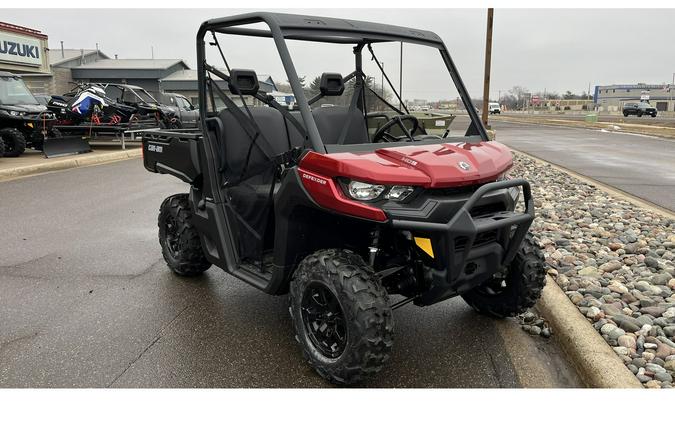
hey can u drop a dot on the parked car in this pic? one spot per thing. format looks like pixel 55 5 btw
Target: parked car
pixel 494 108
pixel 182 107
pixel 639 109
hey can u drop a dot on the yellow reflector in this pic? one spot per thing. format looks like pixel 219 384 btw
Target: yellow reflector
pixel 425 245
pixel 29 124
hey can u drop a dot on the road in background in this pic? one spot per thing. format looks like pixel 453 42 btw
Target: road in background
pixel 640 165
pixel 659 120
pixel 86 300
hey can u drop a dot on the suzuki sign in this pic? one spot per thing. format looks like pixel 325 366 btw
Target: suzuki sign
pixel 18 49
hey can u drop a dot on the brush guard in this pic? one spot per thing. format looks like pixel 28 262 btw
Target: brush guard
pixel 461 263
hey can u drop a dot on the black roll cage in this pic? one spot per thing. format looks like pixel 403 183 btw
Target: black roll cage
pixel 321 29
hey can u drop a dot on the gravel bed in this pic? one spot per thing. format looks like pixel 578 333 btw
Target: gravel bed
pixel 616 263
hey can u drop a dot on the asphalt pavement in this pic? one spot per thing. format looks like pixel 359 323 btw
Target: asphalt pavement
pixel 643 166
pixel 87 301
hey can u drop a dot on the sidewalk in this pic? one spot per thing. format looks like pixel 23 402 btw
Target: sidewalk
pixel 33 162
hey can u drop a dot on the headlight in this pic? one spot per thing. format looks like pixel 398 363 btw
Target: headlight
pixel 364 191
pixel 399 193
pixel 16 113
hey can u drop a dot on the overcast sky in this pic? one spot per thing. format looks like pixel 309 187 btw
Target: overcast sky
pixel 547 49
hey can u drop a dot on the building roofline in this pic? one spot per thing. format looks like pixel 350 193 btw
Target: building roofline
pixel 18 29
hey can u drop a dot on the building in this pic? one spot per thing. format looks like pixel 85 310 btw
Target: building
pixel 613 97
pixel 184 82
pixel 62 62
pixel 146 73
pixel 24 51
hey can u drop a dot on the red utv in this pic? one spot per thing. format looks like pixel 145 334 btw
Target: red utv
pixel 351 223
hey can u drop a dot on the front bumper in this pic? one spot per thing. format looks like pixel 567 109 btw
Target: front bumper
pixel 468 250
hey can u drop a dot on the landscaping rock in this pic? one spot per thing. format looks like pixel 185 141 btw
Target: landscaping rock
pixel 615 261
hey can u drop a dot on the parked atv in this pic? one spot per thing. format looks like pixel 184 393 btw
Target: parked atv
pixel 145 105
pixel 310 204
pixel 87 103
pixel 24 122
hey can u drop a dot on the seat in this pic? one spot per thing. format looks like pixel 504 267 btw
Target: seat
pixel 330 122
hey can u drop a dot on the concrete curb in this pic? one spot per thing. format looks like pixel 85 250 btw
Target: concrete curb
pixel 596 363
pixel 76 161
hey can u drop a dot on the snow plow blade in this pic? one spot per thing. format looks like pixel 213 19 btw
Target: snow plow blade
pixel 65 145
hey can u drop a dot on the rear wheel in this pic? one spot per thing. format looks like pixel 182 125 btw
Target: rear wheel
pixel 517 290
pixel 179 239
pixel 341 316
pixel 15 142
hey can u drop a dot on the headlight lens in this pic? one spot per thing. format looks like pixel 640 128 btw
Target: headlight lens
pixel 16 113
pixel 399 193
pixel 364 191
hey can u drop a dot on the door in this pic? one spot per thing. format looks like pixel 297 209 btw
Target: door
pixel 188 112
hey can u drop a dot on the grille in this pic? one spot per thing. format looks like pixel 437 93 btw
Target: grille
pixel 481 239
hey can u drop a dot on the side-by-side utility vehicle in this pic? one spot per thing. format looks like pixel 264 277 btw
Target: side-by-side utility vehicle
pixel 351 225
pixel 24 121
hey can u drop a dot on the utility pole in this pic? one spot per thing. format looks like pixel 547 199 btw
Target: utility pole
pixel 672 86
pixel 488 62
pixel 152 52
pixel 400 78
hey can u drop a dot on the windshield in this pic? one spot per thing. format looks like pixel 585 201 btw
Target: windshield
pixel 14 92
pixel 145 96
pixel 367 95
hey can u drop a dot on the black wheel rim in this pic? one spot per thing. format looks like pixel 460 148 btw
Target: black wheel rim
pixel 172 235
pixel 324 320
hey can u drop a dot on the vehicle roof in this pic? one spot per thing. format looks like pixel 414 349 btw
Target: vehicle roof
pixel 319 28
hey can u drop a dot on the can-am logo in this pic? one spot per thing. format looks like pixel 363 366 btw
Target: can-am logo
pixel 464 165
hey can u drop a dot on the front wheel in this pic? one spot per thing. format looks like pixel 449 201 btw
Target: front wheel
pixel 15 142
pixel 517 290
pixel 179 238
pixel 341 316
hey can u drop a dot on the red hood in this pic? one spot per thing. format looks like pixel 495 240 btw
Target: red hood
pixel 432 166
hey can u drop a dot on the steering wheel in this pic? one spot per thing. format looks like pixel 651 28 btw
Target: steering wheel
pixel 382 134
